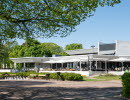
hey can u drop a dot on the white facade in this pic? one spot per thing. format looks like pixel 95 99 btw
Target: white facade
pixel 122 48
pixel 94 59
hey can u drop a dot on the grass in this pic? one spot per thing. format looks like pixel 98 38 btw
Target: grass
pixel 109 77
pixel 89 79
pixel 103 78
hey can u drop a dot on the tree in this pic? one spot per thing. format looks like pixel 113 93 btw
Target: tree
pixel 30 42
pixel 52 47
pixel 45 18
pixel 73 46
pixel 5 49
pixel 16 52
pixel 2 54
pixel 33 48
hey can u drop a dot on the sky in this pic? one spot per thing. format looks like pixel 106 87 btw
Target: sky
pixel 107 25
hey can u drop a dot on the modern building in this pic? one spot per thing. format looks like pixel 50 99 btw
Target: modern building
pixel 113 57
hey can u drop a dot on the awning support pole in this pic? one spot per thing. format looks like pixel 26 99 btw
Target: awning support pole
pixel 15 65
pixel 24 66
pixel 96 64
pixel 105 65
pixel 90 65
pixel 80 65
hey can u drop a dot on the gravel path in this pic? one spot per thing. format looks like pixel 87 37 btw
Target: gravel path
pixel 60 90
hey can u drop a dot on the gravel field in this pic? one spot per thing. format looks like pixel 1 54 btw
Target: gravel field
pixel 60 90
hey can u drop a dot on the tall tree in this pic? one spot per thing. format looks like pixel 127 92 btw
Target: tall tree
pixel 52 47
pixel 45 18
pixel 5 49
pixel 33 48
pixel 73 46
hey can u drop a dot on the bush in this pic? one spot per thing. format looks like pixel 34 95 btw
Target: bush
pixel 53 75
pixel 63 76
pixel 73 76
pixel 67 76
pixel 126 85
pixel 23 74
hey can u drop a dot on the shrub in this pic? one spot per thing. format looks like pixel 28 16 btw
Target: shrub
pixel 126 85
pixel 72 76
pixel 53 75
pixel 67 76
pixel 63 76
pixel 23 74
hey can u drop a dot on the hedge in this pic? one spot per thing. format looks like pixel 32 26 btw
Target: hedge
pixel 126 85
pixel 62 76
pixel 72 76
pixel 67 76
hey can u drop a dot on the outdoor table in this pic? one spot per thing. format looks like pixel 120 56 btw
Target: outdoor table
pixel 41 75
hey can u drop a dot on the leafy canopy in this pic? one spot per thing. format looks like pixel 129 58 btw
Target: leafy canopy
pixel 45 18
pixel 34 48
pixel 73 46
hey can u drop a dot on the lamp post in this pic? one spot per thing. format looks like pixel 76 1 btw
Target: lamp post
pixel 92 48
pixel 92 56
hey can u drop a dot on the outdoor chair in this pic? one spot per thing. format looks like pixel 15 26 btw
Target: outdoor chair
pixel 33 76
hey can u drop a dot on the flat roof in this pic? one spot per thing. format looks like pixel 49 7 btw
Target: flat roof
pixel 82 51
pixel 63 59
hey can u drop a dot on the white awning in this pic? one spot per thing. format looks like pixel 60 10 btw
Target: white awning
pixel 53 61
pixel 120 60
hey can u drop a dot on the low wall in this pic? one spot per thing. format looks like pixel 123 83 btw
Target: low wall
pixel 5 70
pixel 92 73
pixel 85 73
pixel 116 72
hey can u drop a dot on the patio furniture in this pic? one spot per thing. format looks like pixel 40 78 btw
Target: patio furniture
pixel 42 76
pixel 33 76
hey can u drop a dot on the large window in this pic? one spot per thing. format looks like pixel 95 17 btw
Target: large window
pixel 106 47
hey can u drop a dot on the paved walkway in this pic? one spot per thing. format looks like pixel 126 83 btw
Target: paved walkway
pixel 59 90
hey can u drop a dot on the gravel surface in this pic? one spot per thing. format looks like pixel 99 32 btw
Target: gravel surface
pixel 60 90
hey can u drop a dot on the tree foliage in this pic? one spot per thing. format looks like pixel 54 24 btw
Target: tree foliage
pixel 33 48
pixel 73 46
pixel 45 18
pixel 5 49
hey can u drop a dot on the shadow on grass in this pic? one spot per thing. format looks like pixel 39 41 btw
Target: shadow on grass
pixel 20 92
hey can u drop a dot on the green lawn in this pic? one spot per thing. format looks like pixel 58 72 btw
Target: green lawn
pixel 103 78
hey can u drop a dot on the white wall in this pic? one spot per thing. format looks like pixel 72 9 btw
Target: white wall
pixel 122 48
pixel 93 73
pixel 5 70
pixel 116 72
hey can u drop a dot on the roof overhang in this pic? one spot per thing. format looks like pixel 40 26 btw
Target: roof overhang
pixel 82 51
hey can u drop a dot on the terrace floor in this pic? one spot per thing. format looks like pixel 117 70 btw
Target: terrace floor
pixel 60 90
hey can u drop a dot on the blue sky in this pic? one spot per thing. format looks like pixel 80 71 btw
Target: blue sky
pixel 107 25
